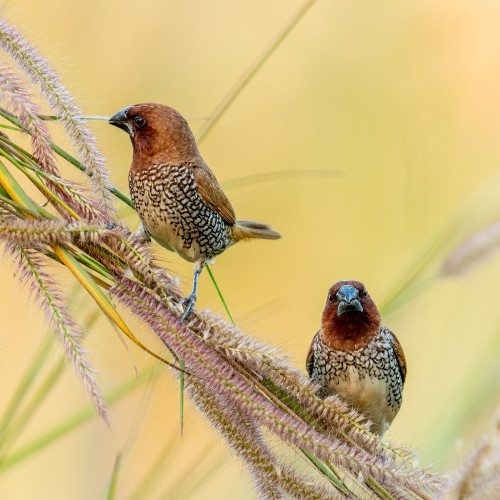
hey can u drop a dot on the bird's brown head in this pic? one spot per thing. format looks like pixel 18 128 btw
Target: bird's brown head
pixel 350 317
pixel 159 134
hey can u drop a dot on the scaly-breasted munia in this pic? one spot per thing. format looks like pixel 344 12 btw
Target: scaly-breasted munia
pixel 356 357
pixel 178 199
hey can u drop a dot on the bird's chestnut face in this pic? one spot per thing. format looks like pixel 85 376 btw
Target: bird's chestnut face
pixel 132 119
pixel 349 311
pixel 159 134
pixel 347 297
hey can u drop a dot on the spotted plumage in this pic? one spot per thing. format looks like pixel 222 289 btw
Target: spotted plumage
pixel 354 356
pixel 177 197
pixel 174 214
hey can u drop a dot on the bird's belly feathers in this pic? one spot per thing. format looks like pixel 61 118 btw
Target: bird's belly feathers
pixel 368 379
pixel 171 210
pixel 366 394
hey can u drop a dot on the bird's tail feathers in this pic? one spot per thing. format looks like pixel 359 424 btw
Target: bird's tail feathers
pixel 247 229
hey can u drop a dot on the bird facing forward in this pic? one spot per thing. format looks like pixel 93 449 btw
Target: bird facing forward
pixel 354 356
pixel 178 199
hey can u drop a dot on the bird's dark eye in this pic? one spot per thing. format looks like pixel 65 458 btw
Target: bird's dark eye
pixel 363 293
pixel 139 121
pixel 330 297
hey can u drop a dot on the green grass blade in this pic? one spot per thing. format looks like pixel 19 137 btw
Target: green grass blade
pixel 14 189
pixel 41 394
pixel 114 478
pixel 323 469
pixel 377 488
pixel 219 293
pixel 40 185
pixel 24 386
pixel 43 391
pixel 75 421
pixel 65 155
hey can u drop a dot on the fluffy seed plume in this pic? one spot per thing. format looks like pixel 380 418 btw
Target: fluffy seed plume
pixel 478 477
pixel 237 391
pixel 69 333
pixel 20 102
pixel 474 249
pixel 63 104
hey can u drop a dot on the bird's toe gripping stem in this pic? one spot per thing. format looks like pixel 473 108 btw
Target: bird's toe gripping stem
pixel 190 300
pixel 188 304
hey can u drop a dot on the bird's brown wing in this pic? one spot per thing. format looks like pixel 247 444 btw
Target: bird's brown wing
pixel 400 355
pixel 310 358
pixel 212 195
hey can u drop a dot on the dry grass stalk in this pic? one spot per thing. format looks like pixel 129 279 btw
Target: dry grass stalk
pixel 478 477
pixel 36 68
pixel 474 249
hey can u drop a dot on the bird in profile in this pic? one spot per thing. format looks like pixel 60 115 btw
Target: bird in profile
pixel 356 357
pixel 178 199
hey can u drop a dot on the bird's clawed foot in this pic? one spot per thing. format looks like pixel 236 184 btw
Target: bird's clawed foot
pixel 143 234
pixel 188 304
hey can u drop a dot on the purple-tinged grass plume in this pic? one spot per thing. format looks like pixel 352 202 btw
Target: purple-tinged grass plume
pixel 43 287
pixel 39 71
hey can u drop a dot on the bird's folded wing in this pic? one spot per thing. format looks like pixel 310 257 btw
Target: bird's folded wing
pixel 400 355
pixel 212 195
pixel 310 358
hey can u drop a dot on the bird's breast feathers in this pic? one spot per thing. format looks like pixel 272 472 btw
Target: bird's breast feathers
pixel 368 394
pixel 172 211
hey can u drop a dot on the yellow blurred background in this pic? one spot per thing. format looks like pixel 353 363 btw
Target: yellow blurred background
pixel 398 101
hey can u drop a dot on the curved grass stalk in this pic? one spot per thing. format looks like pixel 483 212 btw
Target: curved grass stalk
pixel 68 331
pixel 114 478
pixel 75 420
pixel 23 387
pixel 14 93
pixel 252 70
pixel 41 74
pixel 203 362
pixel 66 156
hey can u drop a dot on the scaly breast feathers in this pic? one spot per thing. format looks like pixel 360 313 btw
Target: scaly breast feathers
pixel 170 208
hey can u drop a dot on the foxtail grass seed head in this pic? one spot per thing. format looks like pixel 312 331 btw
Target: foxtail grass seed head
pixel 63 104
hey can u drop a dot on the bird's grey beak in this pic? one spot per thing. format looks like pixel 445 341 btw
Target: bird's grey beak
pixel 348 297
pixel 120 120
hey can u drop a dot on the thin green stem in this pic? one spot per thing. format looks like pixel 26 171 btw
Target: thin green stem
pixel 17 206
pixel 43 391
pixel 114 478
pixel 65 155
pixel 379 489
pixel 323 469
pixel 40 185
pixel 24 386
pixel 76 420
pixel 219 293
pixel 251 71
pixel 10 128
pixel 93 264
